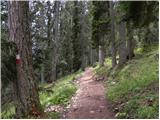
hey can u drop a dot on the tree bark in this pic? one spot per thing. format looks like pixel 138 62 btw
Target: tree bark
pixel 130 41
pixel 101 55
pixel 26 93
pixel 42 73
pixel 113 48
pixel 122 44
pixel 55 43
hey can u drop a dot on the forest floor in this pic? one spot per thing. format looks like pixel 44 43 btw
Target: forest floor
pixel 89 101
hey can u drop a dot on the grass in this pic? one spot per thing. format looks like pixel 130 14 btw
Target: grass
pixel 60 93
pixel 103 71
pixel 134 88
pixel 50 94
pixel 53 115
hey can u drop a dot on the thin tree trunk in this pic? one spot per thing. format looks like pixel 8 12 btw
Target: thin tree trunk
pixel 42 73
pixel 101 55
pixel 27 99
pixel 55 44
pixel 112 15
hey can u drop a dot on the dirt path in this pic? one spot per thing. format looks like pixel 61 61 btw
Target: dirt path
pixel 89 101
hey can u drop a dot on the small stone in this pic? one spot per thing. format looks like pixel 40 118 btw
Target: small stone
pixel 101 106
pixel 74 109
pixel 116 109
pixel 99 110
pixel 121 115
pixel 92 111
pixel 113 83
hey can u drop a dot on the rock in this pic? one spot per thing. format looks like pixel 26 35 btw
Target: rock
pixel 55 108
pixel 120 115
pixel 99 79
pixel 92 112
pixel 102 106
pixel 99 110
pixel 113 83
pixel 63 116
pixel 116 109
pixel 74 109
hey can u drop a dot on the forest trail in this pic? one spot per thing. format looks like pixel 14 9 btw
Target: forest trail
pixel 89 101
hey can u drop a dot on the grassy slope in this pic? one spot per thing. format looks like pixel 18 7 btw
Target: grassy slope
pixel 59 93
pixel 134 89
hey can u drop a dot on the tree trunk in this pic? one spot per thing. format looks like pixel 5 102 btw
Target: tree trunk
pixel 130 42
pixel 113 48
pixel 76 43
pixel 42 73
pixel 101 56
pixel 27 99
pixel 146 41
pixel 122 44
pixel 55 43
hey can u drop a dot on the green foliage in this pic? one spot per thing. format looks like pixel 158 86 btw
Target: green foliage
pixel 53 115
pixel 134 88
pixel 135 76
pixel 147 112
pixel 104 71
pixel 141 13
pixel 60 93
pixel 100 22
pixel 77 47
pixel 8 112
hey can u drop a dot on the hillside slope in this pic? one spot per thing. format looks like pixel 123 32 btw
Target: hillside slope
pixel 134 88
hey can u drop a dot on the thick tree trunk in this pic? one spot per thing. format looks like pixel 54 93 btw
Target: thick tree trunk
pixel 27 99
pixel 113 47
pixel 101 55
pixel 122 44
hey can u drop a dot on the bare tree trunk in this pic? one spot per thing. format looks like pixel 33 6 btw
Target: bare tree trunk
pixel 130 41
pixel 55 43
pixel 122 44
pixel 91 56
pixel 83 40
pixel 42 73
pixel 113 48
pixel 101 55
pixel 26 93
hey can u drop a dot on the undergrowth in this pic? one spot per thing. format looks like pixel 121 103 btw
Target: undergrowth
pixel 60 92
pixel 56 93
pixel 134 88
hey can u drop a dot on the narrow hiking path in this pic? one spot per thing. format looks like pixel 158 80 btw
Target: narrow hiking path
pixel 89 101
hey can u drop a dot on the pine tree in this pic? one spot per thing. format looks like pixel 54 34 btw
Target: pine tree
pixel 100 26
pixel 26 94
pixel 76 46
